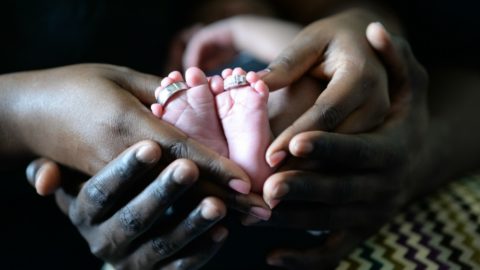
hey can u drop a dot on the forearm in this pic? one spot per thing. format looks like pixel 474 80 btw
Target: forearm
pixel 453 145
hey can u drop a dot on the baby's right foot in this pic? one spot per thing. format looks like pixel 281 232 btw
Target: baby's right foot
pixel 193 111
pixel 244 116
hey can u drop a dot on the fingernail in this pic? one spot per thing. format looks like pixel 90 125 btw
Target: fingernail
pixel 302 148
pixel 263 72
pixel 274 159
pixel 250 220
pixel 260 213
pixel 147 154
pixel 182 175
pixel 210 212
pixel 239 186
pixel 219 234
pixel 273 203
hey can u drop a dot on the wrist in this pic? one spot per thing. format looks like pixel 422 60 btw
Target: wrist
pixel 12 138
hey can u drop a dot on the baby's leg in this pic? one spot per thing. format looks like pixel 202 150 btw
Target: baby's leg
pixel 244 115
pixel 193 111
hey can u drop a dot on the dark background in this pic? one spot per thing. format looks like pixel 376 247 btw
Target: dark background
pixel 49 33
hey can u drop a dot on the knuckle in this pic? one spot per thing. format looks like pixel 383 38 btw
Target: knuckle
pixel 329 116
pixel 130 220
pixel 284 62
pixel 119 126
pixel 161 194
pixel 370 81
pixel 97 193
pixel 164 247
pixel 179 149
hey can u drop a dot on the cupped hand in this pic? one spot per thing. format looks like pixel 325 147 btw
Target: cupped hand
pixel 83 116
pixel 352 184
pixel 128 221
pixel 333 50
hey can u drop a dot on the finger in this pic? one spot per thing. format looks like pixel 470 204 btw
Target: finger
pixel 364 151
pixel 207 214
pixel 102 191
pixel 139 214
pixel 329 189
pixel 381 41
pixel 294 61
pixel 338 246
pixel 251 204
pixel 44 176
pixel 203 250
pixel 335 103
pixel 398 58
pixel 141 85
pixel 177 144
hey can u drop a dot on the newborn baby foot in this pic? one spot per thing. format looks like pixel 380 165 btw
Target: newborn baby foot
pixel 193 111
pixel 244 116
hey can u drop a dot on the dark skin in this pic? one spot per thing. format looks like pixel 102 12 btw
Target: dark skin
pixel 60 114
pixel 412 163
pixel 115 229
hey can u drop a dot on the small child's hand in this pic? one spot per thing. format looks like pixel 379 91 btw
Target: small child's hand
pixel 218 43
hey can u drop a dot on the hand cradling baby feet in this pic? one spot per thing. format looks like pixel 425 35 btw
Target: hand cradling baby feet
pixel 228 114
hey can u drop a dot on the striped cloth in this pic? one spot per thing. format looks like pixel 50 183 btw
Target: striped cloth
pixel 439 232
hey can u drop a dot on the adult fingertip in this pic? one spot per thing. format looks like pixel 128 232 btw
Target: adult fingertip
pixel 240 186
pixel 274 159
pixel 261 213
pixel 300 147
pixel 377 35
pixel 149 152
pixel 213 209
pixel 274 190
pixel 47 179
pixel 185 172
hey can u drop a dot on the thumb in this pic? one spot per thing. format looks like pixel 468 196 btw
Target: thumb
pixel 292 63
pixel 44 175
pixel 141 85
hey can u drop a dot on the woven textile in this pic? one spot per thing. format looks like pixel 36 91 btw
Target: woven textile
pixel 439 232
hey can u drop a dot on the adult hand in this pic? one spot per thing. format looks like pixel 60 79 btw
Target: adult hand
pixel 66 113
pixel 377 172
pixel 334 50
pixel 132 227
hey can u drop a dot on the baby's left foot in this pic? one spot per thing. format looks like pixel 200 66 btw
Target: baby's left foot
pixel 243 112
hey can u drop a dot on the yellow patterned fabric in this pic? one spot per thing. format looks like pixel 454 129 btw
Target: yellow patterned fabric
pixel 439 232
